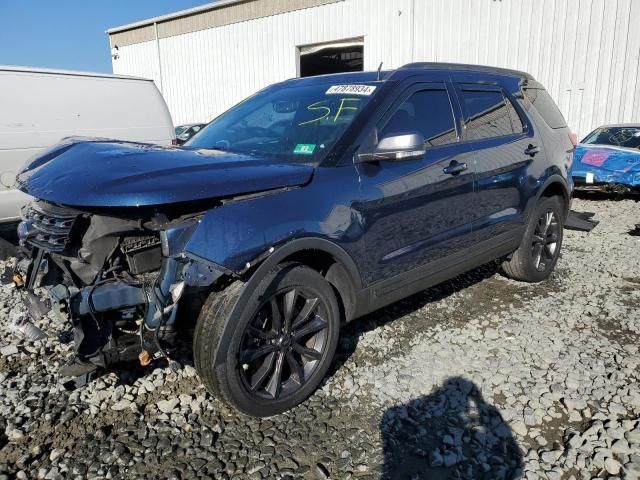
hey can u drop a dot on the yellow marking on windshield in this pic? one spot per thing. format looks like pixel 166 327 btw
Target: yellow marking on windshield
pixel 317 106
pixel 344 107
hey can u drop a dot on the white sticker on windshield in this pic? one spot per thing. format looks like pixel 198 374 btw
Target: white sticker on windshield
pixel 351 89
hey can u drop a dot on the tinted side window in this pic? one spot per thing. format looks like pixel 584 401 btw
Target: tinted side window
pixel 486 114
pixel 546 107
pixel 516 121
pixel 427 112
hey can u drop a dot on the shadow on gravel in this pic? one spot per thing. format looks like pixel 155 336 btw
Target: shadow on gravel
pixel 8 240
pixel 452 433
pixel 350 333
pixel 605 196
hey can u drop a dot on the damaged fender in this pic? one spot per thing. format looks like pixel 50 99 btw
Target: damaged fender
pixel 239 232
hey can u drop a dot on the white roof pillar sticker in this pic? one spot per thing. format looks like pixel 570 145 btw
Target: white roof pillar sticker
pixel 351 89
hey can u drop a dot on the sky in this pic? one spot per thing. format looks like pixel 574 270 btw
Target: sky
pixel 70 34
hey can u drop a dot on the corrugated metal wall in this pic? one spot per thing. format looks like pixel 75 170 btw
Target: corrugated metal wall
pixel 587 52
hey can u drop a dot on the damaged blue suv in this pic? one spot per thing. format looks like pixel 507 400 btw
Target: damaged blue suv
pixel 308 205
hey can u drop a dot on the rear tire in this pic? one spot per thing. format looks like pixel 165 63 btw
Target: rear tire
pixel 538 253
pixel 277 348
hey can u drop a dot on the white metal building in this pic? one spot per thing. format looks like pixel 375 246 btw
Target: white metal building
pixel 586 52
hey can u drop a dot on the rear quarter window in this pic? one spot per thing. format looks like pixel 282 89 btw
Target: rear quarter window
pixel 486 115
pixel 546 107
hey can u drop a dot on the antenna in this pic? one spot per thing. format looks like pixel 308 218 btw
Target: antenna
pixel 379 69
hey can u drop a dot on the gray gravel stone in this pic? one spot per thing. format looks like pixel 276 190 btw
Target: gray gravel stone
pixel 168 406
pixel 612 466
pixel 9 350
pixel 121 405
pixel 55 454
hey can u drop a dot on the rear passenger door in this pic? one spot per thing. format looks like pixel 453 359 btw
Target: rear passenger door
pixel 504 152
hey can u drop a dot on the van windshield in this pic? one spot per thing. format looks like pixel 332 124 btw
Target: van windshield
pixel 299 123
pixel 626 137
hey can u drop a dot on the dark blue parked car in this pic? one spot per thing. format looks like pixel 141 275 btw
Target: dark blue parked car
pixel 308 205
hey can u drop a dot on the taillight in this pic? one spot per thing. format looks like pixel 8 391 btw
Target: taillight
pixel 174 142
pixel 574 139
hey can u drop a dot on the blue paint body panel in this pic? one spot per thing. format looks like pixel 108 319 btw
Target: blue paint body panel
pixel 119 174
pixel 607 164
pixel 241 230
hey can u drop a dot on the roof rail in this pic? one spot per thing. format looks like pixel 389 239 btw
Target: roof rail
pixel 466 68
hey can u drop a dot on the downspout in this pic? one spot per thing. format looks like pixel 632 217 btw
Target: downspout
pixel 155 27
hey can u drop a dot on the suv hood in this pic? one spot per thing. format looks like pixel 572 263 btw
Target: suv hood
pixel 123 174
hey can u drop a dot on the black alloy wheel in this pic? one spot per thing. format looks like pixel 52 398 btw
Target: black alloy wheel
pixel 282 345
pixel 544 242
pixel 264 346
pixel 539 249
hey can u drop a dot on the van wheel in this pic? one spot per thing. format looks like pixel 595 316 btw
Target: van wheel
pixel 278 346
pixel 540 248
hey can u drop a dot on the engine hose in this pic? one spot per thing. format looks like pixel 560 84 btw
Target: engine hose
pixel 161 323
pixel 144 315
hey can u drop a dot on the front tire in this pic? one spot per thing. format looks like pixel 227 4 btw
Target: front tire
pixel 279 344
pixel 539 250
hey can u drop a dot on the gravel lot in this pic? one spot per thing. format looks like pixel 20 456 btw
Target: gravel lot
pixel 480 377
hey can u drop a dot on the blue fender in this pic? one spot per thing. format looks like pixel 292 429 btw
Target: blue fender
pixel 238 232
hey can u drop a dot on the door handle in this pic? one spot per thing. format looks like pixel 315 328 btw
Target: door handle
pixel 455 168
pixel 532 150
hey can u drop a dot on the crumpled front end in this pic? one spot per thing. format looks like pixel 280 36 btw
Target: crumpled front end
pixel 116 279
pixel 602 168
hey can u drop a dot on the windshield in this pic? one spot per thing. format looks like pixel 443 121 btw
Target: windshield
pixel 626 137
pixel 299 123
pixel 179 130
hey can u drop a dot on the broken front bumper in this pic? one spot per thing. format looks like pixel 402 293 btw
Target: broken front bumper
pixel 594 179
pixel 581 185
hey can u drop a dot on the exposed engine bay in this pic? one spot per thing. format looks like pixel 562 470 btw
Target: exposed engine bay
pixel 117 280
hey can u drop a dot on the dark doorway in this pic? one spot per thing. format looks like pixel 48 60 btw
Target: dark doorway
pixel 338 57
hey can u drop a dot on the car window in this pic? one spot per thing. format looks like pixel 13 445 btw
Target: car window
pixel 546 107
pixel 623 136
pixel 427 112
pixel 486 114
pixel 265 117
pixel 299 122
pixel 516 121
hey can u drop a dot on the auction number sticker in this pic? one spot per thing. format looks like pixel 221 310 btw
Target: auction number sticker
pixel 365 90
pixel 304 149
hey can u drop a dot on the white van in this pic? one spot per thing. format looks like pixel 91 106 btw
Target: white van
pixel 39 107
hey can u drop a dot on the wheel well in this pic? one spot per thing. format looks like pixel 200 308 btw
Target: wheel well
pixel 555 189
pixel 319 260
pixel 334 272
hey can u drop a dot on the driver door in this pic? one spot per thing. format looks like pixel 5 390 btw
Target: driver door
pixel 417 212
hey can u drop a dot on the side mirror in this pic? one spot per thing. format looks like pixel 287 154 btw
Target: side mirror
pixel 396 148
